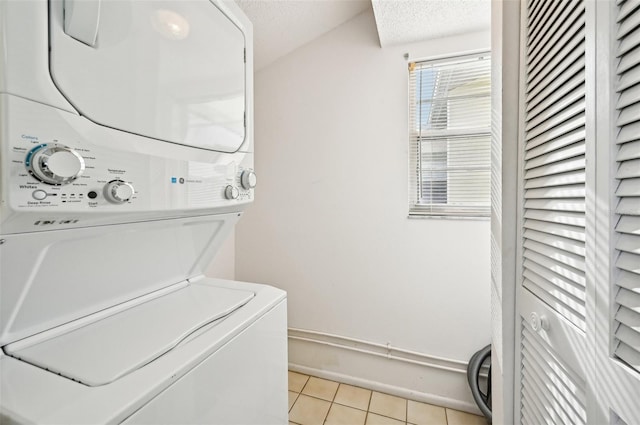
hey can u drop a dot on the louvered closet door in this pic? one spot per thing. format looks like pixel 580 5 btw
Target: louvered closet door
pixel 618 345
pixel 627 279
pixel 552 299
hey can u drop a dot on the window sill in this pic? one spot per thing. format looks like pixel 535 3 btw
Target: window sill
pixel 448 217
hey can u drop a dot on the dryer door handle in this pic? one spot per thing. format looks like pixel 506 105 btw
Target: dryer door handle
pixel 81 20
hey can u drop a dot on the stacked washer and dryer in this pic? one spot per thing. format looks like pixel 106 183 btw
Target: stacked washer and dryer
pixel 126 159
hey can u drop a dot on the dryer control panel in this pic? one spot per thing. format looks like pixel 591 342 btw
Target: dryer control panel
pixel 66 176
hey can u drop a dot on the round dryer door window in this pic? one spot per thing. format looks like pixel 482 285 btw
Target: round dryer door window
pixel 169 70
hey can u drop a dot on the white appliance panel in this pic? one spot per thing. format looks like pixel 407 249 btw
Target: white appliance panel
pixel 168 180
pixel 93 354
pixel 168 70
pixel 25 53
pixel 51 278
pixel 233 395
pixel 246 354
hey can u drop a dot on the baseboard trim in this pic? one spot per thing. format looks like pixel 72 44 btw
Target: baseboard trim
pixel 388 357
pixel 381 350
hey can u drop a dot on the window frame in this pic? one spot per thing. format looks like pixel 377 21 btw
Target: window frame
pixel 466 209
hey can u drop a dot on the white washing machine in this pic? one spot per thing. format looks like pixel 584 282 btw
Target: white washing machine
pixel 126 159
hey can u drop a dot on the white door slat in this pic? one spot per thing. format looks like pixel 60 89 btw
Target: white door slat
pixel 628 187
pixel 629 60
pixel 569 273
pixel 569 218
pixel 565 179
pixel 629 300
pixel 542 414
pixel 629 96
pixel 564 231
pixel 628 336
pixel 629 355
pixel 559 300
pixel 628 115
pixel 627 25
pixel 549 52
pixel 564 153
pixel 627 9
pixel 572 205
pixel 629 133
pixel 628 318
pixel 630 41
pixel 628 224
pixel 555 81
pixel 629 262
pixel 539 23
pixel 573 164
pixel 577 191
pixel 630 281
pixel 574 84
pixel 557 119
pixel 566 285
pixel 575 261
pixel 629 169
pixel 628 206
pixel 628 79
pixel 549 397
pixel 629 243
pixel 556 109
pixel 532 151
pixel 629 151
pixel 569 245
pixel 548 363
pixel 552 391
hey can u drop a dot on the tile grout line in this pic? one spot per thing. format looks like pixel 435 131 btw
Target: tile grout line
pixel 332 400
pixel 368 407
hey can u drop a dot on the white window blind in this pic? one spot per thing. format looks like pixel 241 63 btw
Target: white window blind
pixel 626 327
pixel 449 137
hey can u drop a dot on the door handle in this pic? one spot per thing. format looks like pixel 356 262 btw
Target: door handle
pixel 81 20
pixel 539 322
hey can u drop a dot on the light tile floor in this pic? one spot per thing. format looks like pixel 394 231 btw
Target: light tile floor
pixel 315 401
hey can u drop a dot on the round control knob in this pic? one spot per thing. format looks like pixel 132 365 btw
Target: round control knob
pixel 231 192
pixel 118 192
pixel 248 179
pixel 55 164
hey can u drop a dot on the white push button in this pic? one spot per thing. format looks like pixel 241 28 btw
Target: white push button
pixel 39 194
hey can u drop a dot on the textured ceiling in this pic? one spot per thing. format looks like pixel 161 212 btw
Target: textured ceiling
pixel 407 21
pixel 281 26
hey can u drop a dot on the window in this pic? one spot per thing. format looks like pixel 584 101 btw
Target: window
pixel 450 137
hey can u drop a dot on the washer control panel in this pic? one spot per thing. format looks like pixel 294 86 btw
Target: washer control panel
pixel 53 174
pixel 66 171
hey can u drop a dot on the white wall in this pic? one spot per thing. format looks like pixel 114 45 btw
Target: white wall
pixel 223 264
pixel 330 224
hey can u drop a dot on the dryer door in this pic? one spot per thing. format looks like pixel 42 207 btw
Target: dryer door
pixel 169 70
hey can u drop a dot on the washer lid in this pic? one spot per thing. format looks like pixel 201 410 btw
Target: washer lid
pixel 169 70
pixel 108 349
